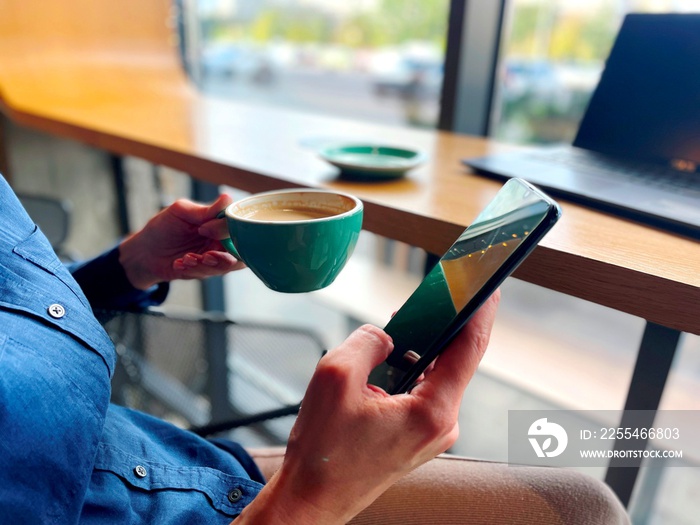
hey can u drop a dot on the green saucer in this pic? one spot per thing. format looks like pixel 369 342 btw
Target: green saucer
pixel 368 162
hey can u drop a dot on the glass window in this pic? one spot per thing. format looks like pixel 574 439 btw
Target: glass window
pixel 373 59
pixel 552 55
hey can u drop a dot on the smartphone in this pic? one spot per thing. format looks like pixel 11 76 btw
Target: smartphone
pixel 487 252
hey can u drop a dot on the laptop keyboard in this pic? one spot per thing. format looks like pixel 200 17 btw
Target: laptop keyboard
pixel 629 172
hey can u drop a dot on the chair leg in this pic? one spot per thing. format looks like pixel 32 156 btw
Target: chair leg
pixel 215 428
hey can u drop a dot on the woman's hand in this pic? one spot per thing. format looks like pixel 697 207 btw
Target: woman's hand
pixel 352 440
pixel 180 242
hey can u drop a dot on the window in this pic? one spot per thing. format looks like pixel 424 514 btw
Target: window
pixel 372 59
pixel 552 55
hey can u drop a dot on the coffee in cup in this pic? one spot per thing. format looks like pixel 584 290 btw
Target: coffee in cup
pixel 295 240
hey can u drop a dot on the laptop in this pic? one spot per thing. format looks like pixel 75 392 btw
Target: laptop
pixel 637 150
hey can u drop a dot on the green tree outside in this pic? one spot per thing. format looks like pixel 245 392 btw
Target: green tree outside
pixel 393 22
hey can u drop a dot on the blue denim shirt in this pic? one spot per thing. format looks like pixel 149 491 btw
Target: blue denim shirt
pixel 66 454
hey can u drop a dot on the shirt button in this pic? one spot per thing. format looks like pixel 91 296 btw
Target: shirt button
pixel 235 495
pixel 140 471
pixel 56 311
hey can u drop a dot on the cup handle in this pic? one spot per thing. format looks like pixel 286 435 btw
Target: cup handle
pixel 227 242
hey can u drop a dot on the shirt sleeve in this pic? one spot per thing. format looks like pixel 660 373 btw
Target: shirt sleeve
pixel 55 368
pixel 104 282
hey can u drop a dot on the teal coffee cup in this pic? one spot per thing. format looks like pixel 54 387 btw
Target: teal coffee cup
pixel 295 240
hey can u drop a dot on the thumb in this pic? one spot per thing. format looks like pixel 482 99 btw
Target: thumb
pixel 217 206
pixel 211 226
pixel 362 351
pixel 196 213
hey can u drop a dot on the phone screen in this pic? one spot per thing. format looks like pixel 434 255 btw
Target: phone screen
pixel 500 237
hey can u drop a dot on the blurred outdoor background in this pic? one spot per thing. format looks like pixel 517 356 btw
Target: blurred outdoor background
pixel 382 60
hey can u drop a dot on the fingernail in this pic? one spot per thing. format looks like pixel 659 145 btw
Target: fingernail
pixel 188 260
pixel 210 260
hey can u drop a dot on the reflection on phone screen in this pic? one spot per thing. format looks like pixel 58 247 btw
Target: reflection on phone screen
pixel 462 279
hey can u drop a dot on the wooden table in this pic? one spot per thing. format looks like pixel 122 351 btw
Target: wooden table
pixel 591 255
pixel 119 86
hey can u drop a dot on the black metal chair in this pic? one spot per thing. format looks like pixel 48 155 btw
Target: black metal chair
pixel 209 373
pixel 53 216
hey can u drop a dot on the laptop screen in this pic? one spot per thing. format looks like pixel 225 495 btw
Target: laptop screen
pixel 647 103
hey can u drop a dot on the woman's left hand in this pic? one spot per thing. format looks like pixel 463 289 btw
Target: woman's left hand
pixel 180 242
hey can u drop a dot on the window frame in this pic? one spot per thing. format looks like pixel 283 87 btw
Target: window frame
pixel 475 28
